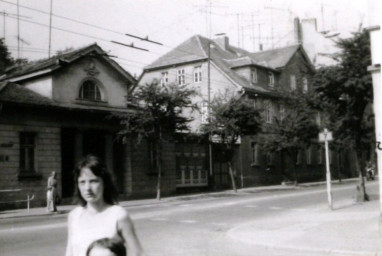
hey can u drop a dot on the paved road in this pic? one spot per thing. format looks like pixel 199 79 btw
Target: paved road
pixel 182 227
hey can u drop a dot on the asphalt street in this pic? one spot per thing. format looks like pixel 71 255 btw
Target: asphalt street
pixel 197 226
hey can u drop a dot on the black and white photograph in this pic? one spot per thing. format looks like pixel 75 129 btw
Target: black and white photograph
pixel 193 128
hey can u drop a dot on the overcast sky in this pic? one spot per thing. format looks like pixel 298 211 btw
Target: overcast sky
pixel 77 23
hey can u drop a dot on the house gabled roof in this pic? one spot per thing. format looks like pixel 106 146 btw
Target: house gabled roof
pixel 44 66
pixel 199 48
pixel 17 94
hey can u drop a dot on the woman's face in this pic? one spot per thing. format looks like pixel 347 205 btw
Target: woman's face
pixel 90 186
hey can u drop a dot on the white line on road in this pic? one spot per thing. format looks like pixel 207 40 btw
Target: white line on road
pixel 188 221
pixel 186 205
pixel 34 228
pixel 159 219
pixel 250 206
pixel 299 210
pixel 275 208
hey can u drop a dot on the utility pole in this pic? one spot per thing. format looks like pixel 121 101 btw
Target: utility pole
pixel 18 31
pixel 238 29
pixel 50 28
pixel 4 24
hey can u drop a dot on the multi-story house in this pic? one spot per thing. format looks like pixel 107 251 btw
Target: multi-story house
pixel 55 111
pixel 215 67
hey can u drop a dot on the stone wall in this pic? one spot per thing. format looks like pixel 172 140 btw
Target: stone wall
pixel 48 159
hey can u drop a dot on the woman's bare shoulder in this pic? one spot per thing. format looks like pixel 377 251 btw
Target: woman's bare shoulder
pixel 120 212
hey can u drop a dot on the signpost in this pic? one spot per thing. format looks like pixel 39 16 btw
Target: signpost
pixel 325 137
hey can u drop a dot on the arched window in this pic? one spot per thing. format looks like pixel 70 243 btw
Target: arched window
pixel 90 91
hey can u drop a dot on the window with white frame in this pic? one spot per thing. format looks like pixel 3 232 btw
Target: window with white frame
pixel 293 85
pixel 164 79
pixel 255 153
pixel 282 111
pixel 181 77
pixel 309 155
pixel 198 74
pixel 204 112
pixel 304 85
pixel 271 79
pixel 254 75
pixel 27 158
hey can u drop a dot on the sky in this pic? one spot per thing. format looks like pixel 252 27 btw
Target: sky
pixel 247 23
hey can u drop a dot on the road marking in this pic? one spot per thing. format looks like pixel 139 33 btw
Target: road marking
pixel 159 219
pixel 230 203
pixel 250 206
pixel 34 228
pixel 186 205
pixel 188 221
pixel 218 224
pixel 299 210
pixel 275 208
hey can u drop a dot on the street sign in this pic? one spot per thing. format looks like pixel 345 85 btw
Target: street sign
pixel 325 136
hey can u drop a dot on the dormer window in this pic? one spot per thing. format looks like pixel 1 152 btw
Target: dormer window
pixel 254 75
pixel 271 79
pixel 90 91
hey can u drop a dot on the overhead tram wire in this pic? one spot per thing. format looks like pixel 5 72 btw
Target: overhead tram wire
pixel 94 37
pixel 88 24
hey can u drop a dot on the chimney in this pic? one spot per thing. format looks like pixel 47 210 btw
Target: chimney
pixel 297 31
pixel 223 42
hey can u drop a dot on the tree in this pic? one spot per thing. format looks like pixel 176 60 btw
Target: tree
pixel 6 59
pixel 345 91
pixel 230 118
pixel 160 112
pixel 292 131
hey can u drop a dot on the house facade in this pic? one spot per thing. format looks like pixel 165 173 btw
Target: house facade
pixel 214 67
pixel 54 112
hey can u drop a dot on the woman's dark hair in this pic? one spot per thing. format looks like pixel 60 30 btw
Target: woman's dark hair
pixel 115 246
pixel 94 164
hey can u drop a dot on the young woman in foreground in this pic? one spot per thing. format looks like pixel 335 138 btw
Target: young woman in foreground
pixel 98 216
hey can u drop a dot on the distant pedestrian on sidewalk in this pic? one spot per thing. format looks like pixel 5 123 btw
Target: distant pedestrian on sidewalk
pixel 106 247
pixel 98 215
pixel 51 193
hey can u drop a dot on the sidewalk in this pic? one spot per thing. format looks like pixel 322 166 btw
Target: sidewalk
pixel 349 229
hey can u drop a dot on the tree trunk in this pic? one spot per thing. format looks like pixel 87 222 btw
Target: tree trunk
pixel 361 195
pixel 232 178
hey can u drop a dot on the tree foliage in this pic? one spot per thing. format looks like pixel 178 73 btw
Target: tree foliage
pixel 295 130
pixel 6 59
pixel 345 92
pixel 160 111
pixel 230 118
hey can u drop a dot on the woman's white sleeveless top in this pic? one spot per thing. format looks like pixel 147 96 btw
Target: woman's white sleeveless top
pixel 87 230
